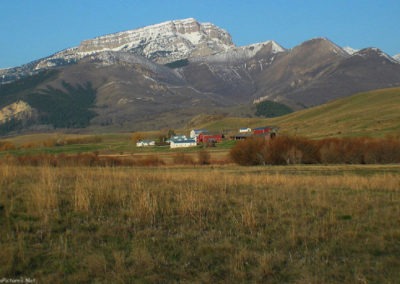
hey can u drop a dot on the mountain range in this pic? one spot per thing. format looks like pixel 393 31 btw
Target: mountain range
pixel 162 75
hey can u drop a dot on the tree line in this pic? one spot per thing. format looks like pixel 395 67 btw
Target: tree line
pixel 285 150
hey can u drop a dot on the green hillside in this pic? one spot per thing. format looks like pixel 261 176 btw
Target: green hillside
pixel 374 113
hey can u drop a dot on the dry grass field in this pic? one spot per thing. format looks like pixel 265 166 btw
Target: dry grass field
pixel 200 224
pixel 96 209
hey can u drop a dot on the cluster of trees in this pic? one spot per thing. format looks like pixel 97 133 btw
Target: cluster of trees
pixel 178 63
pixel 203 158
pixel 69 107
pixel 162 136
pixel 284 150
pixel 18 90
pixel 272 109
pixel 12 125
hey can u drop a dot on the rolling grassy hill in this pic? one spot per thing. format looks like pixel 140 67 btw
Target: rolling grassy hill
pixel 375 113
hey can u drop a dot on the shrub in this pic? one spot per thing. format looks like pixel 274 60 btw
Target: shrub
pixel 203 157
pixel 151 160
pixel 182 159
pixel 29 145
pixel 249 152
pixel 83 140
pixel 330 151
pixel 278 151
pixel 291 150
pixel 6 146
pixel 137 136
pixel 49 143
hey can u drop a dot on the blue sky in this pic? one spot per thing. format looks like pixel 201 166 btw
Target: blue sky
pixel 31 29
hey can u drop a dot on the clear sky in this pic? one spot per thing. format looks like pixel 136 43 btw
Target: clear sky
pixel 32 29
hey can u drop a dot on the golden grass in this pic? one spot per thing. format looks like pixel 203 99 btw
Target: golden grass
pixel 298 224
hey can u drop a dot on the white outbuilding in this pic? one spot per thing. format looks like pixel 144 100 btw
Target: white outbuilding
pixel 145 143
pixel 244 130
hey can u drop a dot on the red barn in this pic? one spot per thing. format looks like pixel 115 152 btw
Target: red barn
pixel 262 130
pixel 206 138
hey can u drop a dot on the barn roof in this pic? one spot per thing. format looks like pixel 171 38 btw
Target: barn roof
pixel 184 141
pixel 197 131
pixel 266 127
pixel 261 128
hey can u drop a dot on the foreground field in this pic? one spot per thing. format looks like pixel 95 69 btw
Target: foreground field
pixel 303 224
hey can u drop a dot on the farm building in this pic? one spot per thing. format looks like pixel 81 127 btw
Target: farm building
pixel 240 136
pixel 196 132
pixel 245 130
pixel 262 130
pixel 181 141
pixel 145 143
pixel 267 132
pixel 209 138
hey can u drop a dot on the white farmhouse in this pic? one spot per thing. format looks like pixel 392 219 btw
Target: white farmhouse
pixel 182 142
pixel 145 143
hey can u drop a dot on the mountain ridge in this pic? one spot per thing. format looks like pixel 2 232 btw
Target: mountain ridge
pixel 128 43
pixel 135 90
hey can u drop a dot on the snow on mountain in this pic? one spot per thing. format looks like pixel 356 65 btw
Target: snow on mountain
pixel 397 57
pixel 174 38
pixel 241 53
pixel 165 43
pixel 385 55
pixel 350 50
pixel 373 50
pixel 162 43
pixel 108 58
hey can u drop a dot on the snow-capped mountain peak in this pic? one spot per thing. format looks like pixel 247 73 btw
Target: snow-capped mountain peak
pixel 162 43
pixel 376 52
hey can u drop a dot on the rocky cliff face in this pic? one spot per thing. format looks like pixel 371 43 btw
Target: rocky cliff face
pixel 165 42
pixel 162 43
pixel 16 111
